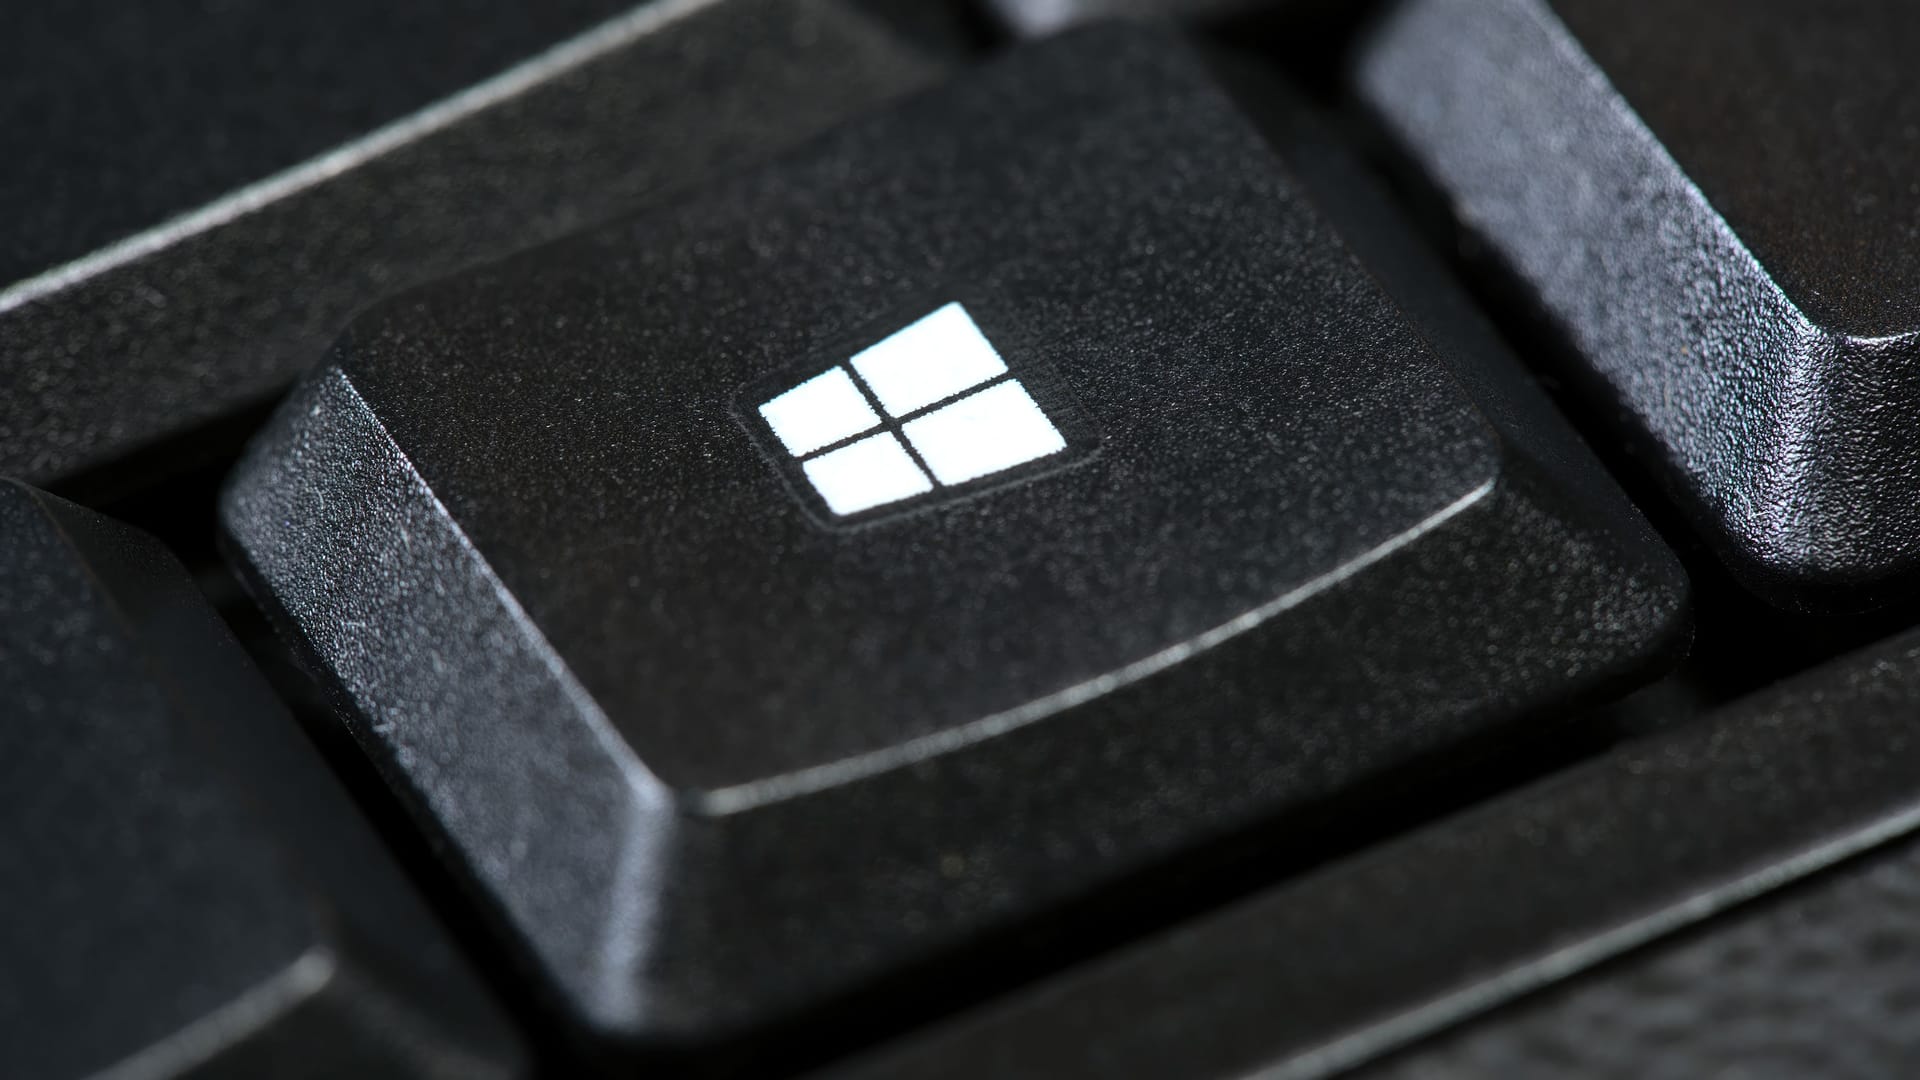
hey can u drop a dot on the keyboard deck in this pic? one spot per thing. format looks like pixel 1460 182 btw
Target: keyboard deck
pixel 994 538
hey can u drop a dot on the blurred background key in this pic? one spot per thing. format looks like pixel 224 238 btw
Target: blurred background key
pixel 187 891
pixel 197 196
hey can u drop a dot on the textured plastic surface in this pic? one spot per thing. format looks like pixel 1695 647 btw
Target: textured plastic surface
pixel 173 250
pixel 1722 235
pixel 1818 979
pixel 176 102
pixel 1818 982
pixel 187 892
pixel 709 760
pixel 1660 842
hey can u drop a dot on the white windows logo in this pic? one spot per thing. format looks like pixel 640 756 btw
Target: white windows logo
pixel 928 408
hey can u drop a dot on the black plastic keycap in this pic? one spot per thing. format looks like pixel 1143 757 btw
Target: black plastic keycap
pixel 1711 205
pixel 187 891
pixel 1734 898
pixel 197 197
pixel 992 499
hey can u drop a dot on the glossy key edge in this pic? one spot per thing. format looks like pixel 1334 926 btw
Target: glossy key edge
pixel 1541 160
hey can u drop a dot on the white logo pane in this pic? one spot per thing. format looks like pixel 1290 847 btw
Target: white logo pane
pixel 935 358
pixel 819 412
pixel 993 426
pixel 984 433
pixel 872 472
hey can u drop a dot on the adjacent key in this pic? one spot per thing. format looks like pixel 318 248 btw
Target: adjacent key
pixel 990 501
pixel 198 197
pixel 187 890
pixel 1732 899
pixel 1723 236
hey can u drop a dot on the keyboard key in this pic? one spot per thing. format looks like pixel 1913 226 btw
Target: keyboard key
pixel 1162 520
pixel 175 113
pixel 1721 236
pixel 1606 922
pixel 198 199
pixel 187 891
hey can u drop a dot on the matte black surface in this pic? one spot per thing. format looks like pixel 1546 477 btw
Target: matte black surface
pixel 119 116
pixel 1711 205
pixel 1523 893
pixel 187 892
pixel 709 760
pixel 1818 979
pixel 1799 124
pixel 114 132
pixel 1817 982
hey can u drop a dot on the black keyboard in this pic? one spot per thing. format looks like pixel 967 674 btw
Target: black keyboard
pixel 1024 538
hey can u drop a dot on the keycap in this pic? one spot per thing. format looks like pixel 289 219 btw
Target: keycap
pixel 188 891
pixel 1733 897
pixel 995 499
pixel 1718 238
pixel 198 198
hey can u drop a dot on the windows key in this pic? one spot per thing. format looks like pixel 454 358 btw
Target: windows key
pixel 995 499
pixel 929 407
